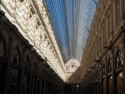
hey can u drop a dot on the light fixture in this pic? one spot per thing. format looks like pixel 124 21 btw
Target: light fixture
pixel 77 86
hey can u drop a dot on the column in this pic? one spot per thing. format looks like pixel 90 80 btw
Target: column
pixel 7 64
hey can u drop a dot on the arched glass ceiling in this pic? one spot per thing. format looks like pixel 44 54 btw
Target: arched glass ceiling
pixel 71 20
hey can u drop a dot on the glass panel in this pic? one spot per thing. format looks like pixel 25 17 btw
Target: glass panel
pixel 109 65
pixel 120 83
pixel 70 25
pixel 119 59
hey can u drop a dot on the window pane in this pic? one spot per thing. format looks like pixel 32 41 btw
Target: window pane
pixel 119 59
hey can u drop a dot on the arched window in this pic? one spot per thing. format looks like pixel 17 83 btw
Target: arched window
pixel 15 57
pixel 103 68
pixel 2 48
pixel 119 74
pixel 119 59
pixel 109 65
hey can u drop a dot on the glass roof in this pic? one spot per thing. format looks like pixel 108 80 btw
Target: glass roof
pixel 71 20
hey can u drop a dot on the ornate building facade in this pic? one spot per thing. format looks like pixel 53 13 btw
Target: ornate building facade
pixel 25 49
pixel 31 61
pixel 103 69
pixel 22 70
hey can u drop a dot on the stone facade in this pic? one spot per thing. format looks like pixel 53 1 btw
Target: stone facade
pixel 102 70
pixel 22 69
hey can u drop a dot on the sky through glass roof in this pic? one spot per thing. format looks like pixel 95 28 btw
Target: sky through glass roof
pixel 71 20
